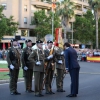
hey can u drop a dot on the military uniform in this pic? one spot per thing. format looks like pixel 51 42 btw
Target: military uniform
pixel 36 56
pixel 13 59
pixel 28 72
pixel 60 67
pixel 49 70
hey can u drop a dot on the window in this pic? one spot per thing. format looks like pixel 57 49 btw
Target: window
pixel 25 20
pixel 25 7
pixel 5 6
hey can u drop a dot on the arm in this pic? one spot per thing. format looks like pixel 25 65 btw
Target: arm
pixel 32 56
pixel 67 59
pixel 23 58
pixel 8 58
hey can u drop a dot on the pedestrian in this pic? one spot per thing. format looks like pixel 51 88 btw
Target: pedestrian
pixel 60 68
pixel 27 66
pixel 73 68
pixel 37 57
pixel 13 60
pixel 50 66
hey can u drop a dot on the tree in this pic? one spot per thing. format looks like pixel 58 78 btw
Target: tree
pixel 7 25
pixel 95 5
pixel 43 23
pixel 66 11
pixel 84 28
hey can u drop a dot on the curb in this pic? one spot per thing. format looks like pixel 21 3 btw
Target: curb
pixel 7 81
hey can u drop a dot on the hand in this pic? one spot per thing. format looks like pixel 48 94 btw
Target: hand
pixel 49 57
pixel 62 53
pixel 38 63
pixel 60 61
pixel 11 67
pixel 25 68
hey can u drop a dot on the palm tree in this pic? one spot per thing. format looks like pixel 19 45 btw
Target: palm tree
pixel 66 11
pixel 95 5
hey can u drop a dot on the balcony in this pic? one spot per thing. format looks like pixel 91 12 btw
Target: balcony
pixel 40 4
pixel 80 2
pixel 78 12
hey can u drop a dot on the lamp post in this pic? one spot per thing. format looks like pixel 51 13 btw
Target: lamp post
pixel 53 6
pixel 72 32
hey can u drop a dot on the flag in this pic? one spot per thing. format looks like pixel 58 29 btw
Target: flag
pixel 53 5
pixel 58 37
pixel 4 47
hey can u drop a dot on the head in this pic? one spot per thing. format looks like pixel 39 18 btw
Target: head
pixel 39 44
pixel 14 42
pixel 49 44
pixel 66 45
pixel 28 43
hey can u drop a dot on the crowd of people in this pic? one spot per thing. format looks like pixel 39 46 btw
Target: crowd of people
pixel 83 53
pixel 3 54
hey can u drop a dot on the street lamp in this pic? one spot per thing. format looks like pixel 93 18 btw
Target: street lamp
pixel 53 6
pixel 72 32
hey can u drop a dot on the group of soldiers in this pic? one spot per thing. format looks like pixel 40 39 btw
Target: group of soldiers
pixel 42 62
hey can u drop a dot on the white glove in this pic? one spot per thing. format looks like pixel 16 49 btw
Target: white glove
pixel 38 63
pixel 60 61
pixel 11 67
pixel 25 68
pixel 62 53
pixel 49 57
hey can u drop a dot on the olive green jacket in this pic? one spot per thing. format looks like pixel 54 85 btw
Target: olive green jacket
pixel 24 58
pixel 13 57
pixel 35 56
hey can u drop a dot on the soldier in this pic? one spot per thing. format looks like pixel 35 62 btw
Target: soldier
pixel 59 58
pixel 37 56
pixel 13 60
pixel 27 66
pixel 49 58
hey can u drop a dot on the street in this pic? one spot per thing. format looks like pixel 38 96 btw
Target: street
pixel 89 86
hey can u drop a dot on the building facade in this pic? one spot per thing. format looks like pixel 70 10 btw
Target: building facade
pixel 23 12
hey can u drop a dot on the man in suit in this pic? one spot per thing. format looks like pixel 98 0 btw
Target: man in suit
pixel 72 67
pixel 49 63
pixel 60 68
pixel 27 66
pixel 37 57
pixel 13 60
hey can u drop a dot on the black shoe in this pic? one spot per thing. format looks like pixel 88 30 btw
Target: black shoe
pixel 13 93
pixel 60 90
pixel 17 93
pixel 29 91
pixel 71 95
pixel 51 92
pixel 39 95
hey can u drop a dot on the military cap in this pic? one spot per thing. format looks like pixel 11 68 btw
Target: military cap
pixel 49 41
pixel 39 41
pixel 14 40
pixel 26 41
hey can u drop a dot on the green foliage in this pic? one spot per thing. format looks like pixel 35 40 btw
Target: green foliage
pixel 43 23
pixel 84 28
pixel 66 11
pixel 95 4
pixel 7 25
